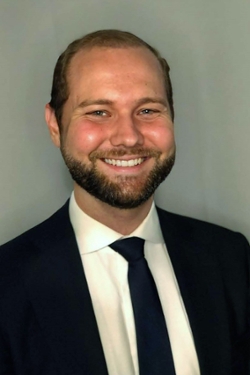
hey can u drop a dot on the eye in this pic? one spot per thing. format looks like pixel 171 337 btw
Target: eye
pixel 98 113
pixel 148 111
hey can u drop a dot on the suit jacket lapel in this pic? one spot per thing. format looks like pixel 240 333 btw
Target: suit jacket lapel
pixel 201 287
pixel 59 294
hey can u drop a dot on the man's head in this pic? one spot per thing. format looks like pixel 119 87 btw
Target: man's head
pixel 102 38
pixel 111 115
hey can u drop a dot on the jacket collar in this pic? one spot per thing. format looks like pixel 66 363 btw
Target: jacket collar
pixel 200 281
pixel 59 294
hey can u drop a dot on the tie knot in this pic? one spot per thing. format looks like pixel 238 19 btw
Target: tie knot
pixel 132 248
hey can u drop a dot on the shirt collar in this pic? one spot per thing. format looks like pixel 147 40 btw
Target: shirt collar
pixel 91 235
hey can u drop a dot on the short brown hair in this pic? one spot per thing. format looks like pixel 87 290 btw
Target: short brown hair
pixel 101 38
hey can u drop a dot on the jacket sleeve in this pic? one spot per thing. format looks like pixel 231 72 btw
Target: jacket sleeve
pixel 6 367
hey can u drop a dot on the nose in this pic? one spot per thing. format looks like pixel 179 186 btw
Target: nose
pixel 126 132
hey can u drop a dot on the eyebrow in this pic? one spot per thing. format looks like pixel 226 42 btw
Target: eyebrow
pixel 157 100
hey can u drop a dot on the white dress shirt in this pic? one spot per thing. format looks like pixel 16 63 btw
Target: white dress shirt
pixel 106 274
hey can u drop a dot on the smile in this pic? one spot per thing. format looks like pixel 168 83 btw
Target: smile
pixel 124 163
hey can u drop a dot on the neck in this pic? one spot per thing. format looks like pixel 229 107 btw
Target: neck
pixel 123 221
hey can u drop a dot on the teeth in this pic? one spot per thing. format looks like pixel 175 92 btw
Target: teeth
pixel 124 163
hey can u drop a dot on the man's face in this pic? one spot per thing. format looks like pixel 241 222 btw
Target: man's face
pixel 117 135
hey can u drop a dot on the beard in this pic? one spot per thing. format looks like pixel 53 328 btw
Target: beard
pixel 125 192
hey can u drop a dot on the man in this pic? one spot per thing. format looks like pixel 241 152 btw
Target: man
pixel 67 294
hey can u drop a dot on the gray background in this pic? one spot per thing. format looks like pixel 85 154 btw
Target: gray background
pixel 207 46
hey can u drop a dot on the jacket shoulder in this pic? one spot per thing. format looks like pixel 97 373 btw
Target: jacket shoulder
pixel 188 238
pixel 205 239
pixel 39 234
pixel 195 228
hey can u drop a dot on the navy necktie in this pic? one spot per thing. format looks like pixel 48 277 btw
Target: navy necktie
pixel 153 346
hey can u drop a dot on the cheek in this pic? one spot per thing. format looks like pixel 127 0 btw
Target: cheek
pixel 84 138
pixel 162 138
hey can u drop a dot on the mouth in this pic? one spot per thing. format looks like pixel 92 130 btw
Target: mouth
pixel 125 163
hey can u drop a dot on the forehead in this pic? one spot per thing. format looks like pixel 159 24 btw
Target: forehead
pixel 100 62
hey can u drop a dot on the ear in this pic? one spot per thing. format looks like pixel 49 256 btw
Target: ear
pixel 52 125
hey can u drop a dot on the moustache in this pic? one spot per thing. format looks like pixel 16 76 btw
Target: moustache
pixel 109 154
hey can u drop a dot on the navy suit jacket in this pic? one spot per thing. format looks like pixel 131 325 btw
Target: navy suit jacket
pixel 47 322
